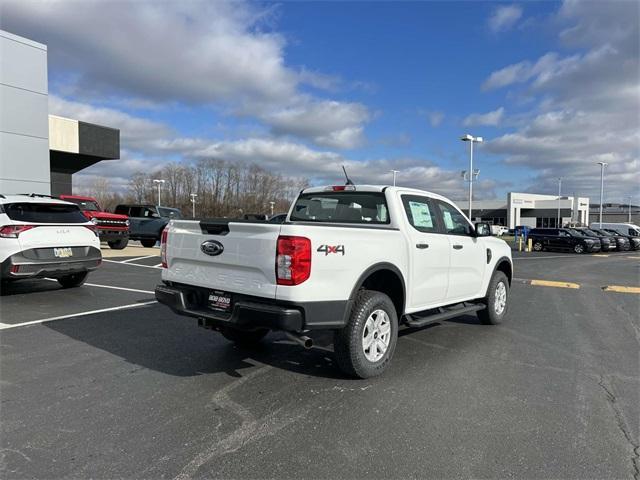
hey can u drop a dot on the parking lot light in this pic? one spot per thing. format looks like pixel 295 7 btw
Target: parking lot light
pixel 471 139
pixel 602 165
pixel 159 182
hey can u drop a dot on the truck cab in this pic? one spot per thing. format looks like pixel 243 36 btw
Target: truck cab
pixel 147 221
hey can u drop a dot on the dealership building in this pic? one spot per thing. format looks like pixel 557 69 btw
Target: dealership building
pixel 39 152
pixel 530 209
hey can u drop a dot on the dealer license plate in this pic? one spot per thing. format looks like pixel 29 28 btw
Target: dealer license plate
pixel 219 301
pixel 63 252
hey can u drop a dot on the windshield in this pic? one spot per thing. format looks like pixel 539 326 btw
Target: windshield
pixel 590 233
pixel 341 207
pixel 44 213
pixel 86 205
pixel 576 233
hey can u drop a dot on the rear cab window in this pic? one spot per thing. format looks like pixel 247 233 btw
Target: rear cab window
pixel 44 213
pixel 369 208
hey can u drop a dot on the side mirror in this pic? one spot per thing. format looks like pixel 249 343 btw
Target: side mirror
pixel 483 229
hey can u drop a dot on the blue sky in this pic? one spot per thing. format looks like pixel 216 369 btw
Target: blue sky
pixel 303 87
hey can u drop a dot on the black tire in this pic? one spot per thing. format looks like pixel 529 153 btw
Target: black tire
pixel 491 315
pixel 350 353
pixel 148 242
pixel 73 280
pixel 537 246
pixel 118 244
pixel 245 338
pixel 579 248
pixel 4 286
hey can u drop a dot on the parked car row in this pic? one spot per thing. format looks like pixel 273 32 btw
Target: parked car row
pixel 583 239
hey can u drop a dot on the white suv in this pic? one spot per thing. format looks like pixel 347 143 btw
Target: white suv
pixel 44 237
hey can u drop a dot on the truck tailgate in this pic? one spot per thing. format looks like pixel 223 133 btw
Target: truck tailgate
pixel 246 264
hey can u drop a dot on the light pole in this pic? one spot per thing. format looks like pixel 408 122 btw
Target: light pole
pixel 629 221
pixel 559 195
pixel 602 165
pixel 193 203
pixel 471 139
pixel 159 182
pixel 272 204
pixel 395 172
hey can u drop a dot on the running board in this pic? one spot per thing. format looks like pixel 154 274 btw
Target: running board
pixel 415 321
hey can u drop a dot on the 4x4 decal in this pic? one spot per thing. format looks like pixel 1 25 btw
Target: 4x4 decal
pixel 327 249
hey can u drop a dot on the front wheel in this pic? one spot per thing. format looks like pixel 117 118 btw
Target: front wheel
pixel 119 244
pixel 73 280
pixel 365 346
pixel 148 242
pixel 578 248
pixel 496 300
pixel 537 246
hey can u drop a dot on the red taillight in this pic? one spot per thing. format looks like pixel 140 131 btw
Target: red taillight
pixel 341 188
pixel 12 231
pixel 163 247
pixel 293 260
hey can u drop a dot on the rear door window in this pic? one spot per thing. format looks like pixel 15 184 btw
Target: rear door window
pixel 420 213
pixel 44 213
pixel 341 207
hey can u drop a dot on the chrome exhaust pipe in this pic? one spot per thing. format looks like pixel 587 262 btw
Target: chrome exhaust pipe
pixel 303 340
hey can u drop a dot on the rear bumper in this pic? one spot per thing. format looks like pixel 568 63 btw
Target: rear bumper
pixel 29 264
pixel 251 313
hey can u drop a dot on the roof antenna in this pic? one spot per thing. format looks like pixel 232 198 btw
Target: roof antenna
pixel 349 182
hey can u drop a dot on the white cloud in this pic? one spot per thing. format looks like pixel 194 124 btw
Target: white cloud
pixel 587 104
pixel 221 53
pixel 327 123
pixel 491 119
pixel 435 118
pixel 504 17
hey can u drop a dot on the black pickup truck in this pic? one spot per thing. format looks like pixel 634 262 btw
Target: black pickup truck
pixel 146 222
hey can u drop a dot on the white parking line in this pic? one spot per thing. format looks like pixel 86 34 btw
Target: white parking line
pixel 130 264
pixel 120 288
pixel 157 266
pixel 7 326
pixel 137 258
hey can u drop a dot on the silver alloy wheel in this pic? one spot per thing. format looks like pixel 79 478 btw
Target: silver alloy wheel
pixel 500 298
pixel 537 246
pixel 578 248
pixel 376 335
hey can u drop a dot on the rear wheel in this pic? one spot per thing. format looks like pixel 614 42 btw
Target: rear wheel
pixel 497 300
pixel 118 244
pixel 579 248
pixel 148 242
pixel 537 246
pixel 73 280
pixel 365 346
pixel 245 338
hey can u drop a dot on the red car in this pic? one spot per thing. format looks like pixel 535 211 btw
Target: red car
pixel 112 227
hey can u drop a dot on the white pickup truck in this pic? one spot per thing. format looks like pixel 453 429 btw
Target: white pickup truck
pixel 358 260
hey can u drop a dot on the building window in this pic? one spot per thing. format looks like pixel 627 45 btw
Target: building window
pixel 546 222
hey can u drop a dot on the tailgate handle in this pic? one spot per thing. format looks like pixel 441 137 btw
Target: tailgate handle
pixel 457 247
pixel 422 245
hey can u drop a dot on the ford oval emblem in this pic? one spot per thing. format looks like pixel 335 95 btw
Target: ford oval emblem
pixel 212 247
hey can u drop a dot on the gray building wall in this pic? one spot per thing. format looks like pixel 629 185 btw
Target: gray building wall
pixel 24 128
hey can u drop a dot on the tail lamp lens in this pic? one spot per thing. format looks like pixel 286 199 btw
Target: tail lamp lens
pixel 163 247
pixel 12 231
pixel 293 260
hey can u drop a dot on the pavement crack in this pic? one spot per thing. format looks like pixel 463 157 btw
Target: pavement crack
pixel 622 426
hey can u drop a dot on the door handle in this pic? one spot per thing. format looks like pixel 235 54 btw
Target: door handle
pixel 422 245
pixel 457 247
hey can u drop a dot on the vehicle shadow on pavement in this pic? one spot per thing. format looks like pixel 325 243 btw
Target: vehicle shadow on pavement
pixel 178 347
pixel 27 286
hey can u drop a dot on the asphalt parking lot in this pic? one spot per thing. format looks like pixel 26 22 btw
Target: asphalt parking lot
pixel 102 382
